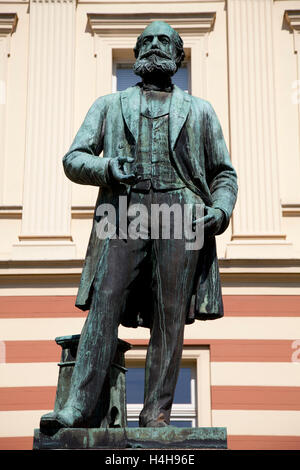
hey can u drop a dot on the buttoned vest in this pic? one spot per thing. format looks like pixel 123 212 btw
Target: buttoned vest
pixel 153 160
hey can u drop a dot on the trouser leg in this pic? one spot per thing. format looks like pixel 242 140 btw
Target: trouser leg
pixel 174 272
pixel 119 268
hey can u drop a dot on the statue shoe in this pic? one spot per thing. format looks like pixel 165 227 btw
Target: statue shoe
pixel 156 424
pixel 52 422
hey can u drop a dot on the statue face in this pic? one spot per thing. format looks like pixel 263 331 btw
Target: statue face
pixel 157 52
pixel 158 37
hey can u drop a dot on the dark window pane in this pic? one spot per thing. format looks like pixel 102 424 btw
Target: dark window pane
pixel 135 385
pixel 132 424
pixel 183 387
pixel 181 78
pixel 181 424
pixel 177 424
pixel 126 77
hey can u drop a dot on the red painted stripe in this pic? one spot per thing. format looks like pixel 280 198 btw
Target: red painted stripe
pixel 263 442
pixel 39 306
pixel 16 443
pixel 234 443
pixel 32 351
pixel 262 305
pixel 250 350
pixel 27 398
pixel 64 306
pixel 230 350
pixel 222 398
pixel 255 398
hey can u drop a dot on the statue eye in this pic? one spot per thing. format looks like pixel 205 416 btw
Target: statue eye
pixel 164 40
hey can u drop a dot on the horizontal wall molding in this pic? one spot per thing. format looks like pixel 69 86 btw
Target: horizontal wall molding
pixel 87 212
pixel 110 24
pixel 67 272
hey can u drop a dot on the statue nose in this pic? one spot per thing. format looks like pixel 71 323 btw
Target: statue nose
pixel 154 43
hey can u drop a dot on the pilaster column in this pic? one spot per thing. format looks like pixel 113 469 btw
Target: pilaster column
pixel 8 22
pixel 47 192
pixel 257 229
pixel 292 18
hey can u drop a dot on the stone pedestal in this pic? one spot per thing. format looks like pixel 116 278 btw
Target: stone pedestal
pixel 133 438
pixel 111 408
pixel 108 427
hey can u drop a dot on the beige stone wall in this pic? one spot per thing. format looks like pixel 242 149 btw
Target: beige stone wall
pixel 56 58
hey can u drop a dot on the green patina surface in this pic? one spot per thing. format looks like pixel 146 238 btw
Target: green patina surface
pixel 136 438
pixel 175 152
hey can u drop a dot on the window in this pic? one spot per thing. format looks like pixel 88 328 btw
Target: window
pixel 124 77
pixel 184 406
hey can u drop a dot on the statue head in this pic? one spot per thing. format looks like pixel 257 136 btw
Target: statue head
pixel 159 49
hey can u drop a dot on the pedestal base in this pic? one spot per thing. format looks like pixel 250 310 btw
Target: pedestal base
pixel 134 438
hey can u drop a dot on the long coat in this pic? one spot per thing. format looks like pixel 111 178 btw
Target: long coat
pixel 202 161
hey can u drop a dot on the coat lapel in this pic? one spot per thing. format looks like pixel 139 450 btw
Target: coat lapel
pixel 131 104
pixel 179 109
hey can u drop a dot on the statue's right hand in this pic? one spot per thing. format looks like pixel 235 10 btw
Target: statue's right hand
pixel 118 173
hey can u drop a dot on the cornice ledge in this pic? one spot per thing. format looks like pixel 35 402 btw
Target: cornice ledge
pixel 41 264
pixel 270 266
pixel 8 23
pixel 292 18
pixel 259 263
pixel 134 23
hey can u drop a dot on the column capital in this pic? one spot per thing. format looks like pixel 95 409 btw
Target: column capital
pixel 8 23
pixel 292 18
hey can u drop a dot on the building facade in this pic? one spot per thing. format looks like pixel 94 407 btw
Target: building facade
pixel 243 56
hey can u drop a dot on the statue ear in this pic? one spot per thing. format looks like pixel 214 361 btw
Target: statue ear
pixel 180 58
pixel 136 50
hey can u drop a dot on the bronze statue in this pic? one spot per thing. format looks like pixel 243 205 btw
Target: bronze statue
pixel 160 146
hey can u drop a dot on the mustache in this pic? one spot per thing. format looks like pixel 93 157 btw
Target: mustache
pixel 154 64
pixel 157 52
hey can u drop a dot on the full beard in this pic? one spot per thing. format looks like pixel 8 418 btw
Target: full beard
pixel 154 63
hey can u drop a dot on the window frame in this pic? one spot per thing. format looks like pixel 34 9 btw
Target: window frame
pixel 124 61
pixel 180 411
pixel 200 357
